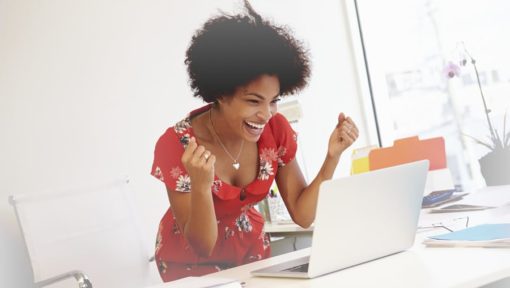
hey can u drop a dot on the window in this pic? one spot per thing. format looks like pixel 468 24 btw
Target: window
pixel 408 44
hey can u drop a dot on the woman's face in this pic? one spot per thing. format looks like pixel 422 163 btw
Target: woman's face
pixel 250 108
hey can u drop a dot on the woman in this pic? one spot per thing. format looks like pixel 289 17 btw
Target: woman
pixel 221 160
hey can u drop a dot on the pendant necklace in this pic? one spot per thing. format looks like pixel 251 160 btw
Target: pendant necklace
pixel 235 163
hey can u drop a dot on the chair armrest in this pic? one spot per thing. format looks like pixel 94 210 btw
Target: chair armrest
pixel 81 278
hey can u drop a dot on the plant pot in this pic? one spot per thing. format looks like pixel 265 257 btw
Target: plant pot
pixel 495 167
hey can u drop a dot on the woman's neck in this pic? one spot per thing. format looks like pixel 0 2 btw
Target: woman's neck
pixel 218 127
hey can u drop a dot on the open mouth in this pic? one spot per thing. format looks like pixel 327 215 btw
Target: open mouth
pixel 255 125
pixel 254 128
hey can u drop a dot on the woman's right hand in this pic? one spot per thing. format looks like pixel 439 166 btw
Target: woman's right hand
pixel 199 163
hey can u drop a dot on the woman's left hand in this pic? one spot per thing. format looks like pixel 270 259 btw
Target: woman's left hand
pixel 343 136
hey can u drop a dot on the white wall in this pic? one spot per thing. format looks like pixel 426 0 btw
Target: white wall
pixel 87 87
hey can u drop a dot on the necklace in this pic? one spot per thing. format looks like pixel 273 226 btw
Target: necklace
pixel 235 164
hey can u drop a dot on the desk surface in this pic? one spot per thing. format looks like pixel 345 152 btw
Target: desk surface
pixel 419 266
pixel 285 228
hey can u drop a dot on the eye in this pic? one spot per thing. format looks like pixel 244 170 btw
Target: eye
pixel 276 100
pixel 253 101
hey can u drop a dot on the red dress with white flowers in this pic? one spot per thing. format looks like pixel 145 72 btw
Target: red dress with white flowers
pixel 241 238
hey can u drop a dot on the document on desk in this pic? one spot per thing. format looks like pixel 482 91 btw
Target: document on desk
pixel 200 282
pixel 486 235
pixel 490 196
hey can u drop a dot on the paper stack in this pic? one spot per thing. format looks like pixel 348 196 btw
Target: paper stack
pixel 486 235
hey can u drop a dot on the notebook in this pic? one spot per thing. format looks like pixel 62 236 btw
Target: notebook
pixel 360 218
pixel 486 235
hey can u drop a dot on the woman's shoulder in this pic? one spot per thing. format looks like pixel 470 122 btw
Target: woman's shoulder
pixel 283 137
pixel 180 133
pixel 280 125
pixel 278 120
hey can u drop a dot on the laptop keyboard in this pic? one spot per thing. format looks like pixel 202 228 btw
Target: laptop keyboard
pixel 299 268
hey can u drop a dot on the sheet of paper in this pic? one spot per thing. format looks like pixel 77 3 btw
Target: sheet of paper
pixel 490 196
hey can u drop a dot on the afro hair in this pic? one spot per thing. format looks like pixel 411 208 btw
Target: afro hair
pixel 231 51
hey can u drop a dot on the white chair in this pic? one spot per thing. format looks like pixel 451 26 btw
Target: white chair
pixel 91 235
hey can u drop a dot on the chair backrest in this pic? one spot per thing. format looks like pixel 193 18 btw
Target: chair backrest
pixel 93 230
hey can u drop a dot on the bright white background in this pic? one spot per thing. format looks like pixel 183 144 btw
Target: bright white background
pixel 87 87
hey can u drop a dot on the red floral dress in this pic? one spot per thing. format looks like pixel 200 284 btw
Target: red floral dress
pixel 241 238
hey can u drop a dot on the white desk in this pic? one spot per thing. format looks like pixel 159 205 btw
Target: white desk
pixel 286 229
pixel 420 266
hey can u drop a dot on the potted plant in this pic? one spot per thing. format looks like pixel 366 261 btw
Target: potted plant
pixel 495 165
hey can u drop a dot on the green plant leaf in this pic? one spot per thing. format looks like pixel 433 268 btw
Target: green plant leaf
pixel 498 144
pixel 478 141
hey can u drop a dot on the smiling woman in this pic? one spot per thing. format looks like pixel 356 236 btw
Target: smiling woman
pixel 222 159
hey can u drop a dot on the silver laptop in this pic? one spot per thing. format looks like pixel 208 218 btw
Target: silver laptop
pixel 360 218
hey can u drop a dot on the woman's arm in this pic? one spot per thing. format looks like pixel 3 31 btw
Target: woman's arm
pixel 194 211
pixel 301 199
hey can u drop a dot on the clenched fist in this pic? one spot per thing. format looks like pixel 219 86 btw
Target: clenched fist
pixel 199 163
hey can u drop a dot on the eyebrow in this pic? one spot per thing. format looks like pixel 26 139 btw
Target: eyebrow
pixel 260 96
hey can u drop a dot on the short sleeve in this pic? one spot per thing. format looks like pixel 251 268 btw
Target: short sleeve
pixel 285 139
pixel 167 165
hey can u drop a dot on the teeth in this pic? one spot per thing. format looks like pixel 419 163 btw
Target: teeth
pixel 255 125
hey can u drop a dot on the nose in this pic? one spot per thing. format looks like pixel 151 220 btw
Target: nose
pixel 266 112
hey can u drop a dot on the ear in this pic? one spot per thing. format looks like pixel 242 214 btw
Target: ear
pixel 222 100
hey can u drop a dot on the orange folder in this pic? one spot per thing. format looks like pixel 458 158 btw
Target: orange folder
pixel 409 150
